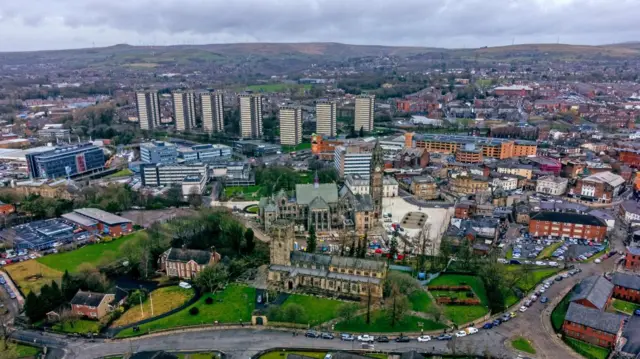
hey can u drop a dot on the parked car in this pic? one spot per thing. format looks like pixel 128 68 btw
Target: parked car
pixel 487 325
pixel 636 312
pixel 528 303
pixel 597 261
pixel 558 278
pixel 534 298
pixel 382 339
pixel 326 335
pixel 513 314
pixel 312 334
pixel 505 318
pixel 461 334
pixel 444 337
pixel 471 330
pixel 424 338
pixel 366 338
pixel 544 299
pixel 496 322
pixel 347 337
pixel 403 339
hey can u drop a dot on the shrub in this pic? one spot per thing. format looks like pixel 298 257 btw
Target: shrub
pixel 194 311
pixel 209 300
pixel 107 239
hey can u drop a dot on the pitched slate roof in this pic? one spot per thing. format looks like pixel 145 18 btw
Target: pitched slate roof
pixel 593 318
pixel 305 193
pixel 632 334
pixel 321 259
pixel 358 263
pixel 626 280
pixel 89 299
pixel 186 255
pixel 596 289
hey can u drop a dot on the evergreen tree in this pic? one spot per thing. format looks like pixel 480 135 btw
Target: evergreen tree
pixel 32 307
pixel 364 246
pixel 56 295
pixel 393 248
pixel 69 286
pixel 45 298
pixel 311 240
pixel 249 241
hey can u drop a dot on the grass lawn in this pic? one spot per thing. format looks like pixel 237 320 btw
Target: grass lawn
pixel 625 307
pixel 197 355
pixel 164 299
pixel 380 323
pixel 80 326
pixel 25 351
pixel 319 310
pixel 509 254
pixel 587 350
pixel 248 191
pixel 461 314
pixel 237 304
pixel 460 279
pixel 253 209
pixel 536 276
pixel 420 301
pixel 523 344
pixel 91 253
pixel 299 147
pixel 30 275
pixel 277 354
pixel 377 355
pixel 122 173
pixel 510 298
pixel 560 311
pixel 548 251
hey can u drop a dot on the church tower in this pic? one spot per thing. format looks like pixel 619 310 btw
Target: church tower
pixel 375 180
pixel 282 235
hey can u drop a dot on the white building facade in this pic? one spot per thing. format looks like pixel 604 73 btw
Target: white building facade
pixel 552 185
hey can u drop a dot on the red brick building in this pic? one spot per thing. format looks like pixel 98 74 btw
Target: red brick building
pixel 598 188
pixel 98 221
pixel 629 157
pixel 187 263
pixel 592 325
pixel 567 225
pixel 626 287
pixel 463 210
pixel 6 208
pixel 632 258
pixel 91 305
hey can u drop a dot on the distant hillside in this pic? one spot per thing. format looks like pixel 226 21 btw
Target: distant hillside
pixel 301 53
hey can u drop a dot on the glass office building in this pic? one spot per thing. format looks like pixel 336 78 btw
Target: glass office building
pixel 65 161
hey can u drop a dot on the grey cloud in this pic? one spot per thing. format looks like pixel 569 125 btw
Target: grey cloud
pixel 446 23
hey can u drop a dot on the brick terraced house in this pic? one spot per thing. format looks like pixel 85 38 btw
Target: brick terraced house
pixel 567 225
pixel 626 287
pixel 593 292
pixel 632 258
pixel 592 325
pixel 187 263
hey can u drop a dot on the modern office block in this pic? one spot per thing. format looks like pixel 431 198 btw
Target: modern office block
pixel 158 152
pixel 65 161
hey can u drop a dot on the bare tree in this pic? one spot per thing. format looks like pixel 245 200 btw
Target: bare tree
pixel 5 330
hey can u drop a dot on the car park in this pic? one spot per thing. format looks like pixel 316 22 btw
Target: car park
pixel 444 337
pixel 424 338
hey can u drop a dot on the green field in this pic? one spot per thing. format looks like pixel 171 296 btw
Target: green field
pixel 535 277
pixel 248 191
pixel 300 147
pixel 624 306
pixel 80 326
pixel 460 279
pixel 420 301
pixel 461 314
pixel 196 355
pixel 380 323
pixel 523 344
pixel 88 254
pixel 122 173
pixel 318 310
pixel 560 311
pixel 278 354
pixel 279 87
pixel 237 303
pixel 587 350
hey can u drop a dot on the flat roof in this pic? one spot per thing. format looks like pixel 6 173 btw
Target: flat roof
pixel 470 139
pixel 19 155
pixel 101 216
pixel 79 219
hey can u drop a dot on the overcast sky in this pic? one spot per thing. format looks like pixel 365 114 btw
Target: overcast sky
pixel 60 24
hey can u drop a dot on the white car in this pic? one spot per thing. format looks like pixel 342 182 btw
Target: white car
pixel 471 330
pixel 424 338
pixel 542 289
pixel 554 264
pixel 184 285
pixel 523 309
pixel 598 260
pixel 365 338
pixel 32 256
pixel 539 263
pixel 461 334
pixel 503 261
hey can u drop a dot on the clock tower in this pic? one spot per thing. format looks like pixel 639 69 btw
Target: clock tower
pixel 375 179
